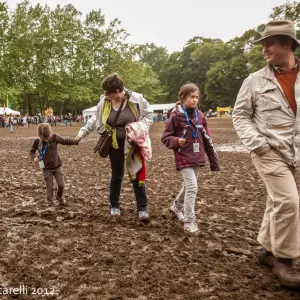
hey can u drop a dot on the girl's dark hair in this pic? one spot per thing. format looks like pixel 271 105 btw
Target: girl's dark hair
pixel 186 90
pixel 112 83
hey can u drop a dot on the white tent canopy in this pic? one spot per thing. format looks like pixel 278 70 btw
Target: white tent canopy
pixel 156 107
pixel 8 111
pixel 162 107
pixel 89 112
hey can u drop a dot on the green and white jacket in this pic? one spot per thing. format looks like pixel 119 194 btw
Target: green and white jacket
pixel 140 106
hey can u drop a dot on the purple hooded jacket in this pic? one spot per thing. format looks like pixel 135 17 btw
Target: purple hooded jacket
pixel 176 127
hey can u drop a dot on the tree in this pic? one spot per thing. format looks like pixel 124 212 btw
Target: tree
pixel 255 59
pixel 155 57
pixel 223 81
pixel 57 57
pixel 289 10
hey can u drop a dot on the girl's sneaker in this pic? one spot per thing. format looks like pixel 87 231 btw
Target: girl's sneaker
pixel 191 227
pixel 115 211
pixel 144 216
pixel 177 212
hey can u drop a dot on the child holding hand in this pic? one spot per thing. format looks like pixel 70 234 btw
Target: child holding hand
pixel 49 160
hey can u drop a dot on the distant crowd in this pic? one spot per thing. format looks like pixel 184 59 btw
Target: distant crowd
pixel 26 120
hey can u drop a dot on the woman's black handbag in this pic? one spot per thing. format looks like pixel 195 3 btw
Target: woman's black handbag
pixel 105 140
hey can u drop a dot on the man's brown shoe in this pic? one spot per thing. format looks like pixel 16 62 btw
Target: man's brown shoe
pixel 266 258
pixel 286 272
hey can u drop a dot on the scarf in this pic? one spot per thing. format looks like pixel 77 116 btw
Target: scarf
pixel 104 114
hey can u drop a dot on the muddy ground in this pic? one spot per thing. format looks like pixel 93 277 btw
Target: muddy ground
pixel 82 253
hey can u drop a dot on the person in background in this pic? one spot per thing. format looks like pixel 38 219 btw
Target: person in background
pixel 66 118
pixel 70 119
pixel 10 122
pixel 25 121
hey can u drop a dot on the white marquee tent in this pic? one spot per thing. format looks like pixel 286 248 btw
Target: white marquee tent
pixel 89 112
pixel 162 107
pixel 8 111
pixel 156 107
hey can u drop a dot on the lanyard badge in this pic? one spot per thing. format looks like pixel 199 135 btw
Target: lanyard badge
pixel 196 146
pixel 196 133
pixel 42 151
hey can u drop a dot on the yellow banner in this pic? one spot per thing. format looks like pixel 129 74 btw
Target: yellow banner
pixel 48 112
pixel 228 109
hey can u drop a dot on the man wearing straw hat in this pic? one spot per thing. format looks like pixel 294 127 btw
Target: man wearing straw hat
pixel 266 119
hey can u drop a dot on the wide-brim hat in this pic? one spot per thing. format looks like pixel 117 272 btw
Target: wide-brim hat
pixel 280 27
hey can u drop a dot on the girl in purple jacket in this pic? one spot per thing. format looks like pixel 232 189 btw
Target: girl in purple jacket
pixel 187 134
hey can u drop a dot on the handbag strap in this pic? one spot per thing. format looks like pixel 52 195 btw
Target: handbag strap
pixel 119 111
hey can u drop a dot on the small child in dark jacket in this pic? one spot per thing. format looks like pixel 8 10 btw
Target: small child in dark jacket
pixel 186 132
pixel 49 160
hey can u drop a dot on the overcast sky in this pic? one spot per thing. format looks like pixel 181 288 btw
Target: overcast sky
pixel 171 23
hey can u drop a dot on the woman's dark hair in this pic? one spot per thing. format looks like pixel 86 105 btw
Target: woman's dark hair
pixel 112 83
pixel 186 90
pixel 283 40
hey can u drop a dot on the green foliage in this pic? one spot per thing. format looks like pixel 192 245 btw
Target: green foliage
pixel 58 58
pixel 219 68
pixel 224 80
pixel 255 58
pixel 289 10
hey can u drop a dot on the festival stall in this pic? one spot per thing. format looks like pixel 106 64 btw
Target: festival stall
pixel 224 111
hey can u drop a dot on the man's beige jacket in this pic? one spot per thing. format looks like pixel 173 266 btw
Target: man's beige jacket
pixel 263 118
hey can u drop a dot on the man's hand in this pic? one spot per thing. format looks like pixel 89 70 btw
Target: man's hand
pixel 35 160
pixel 78 139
